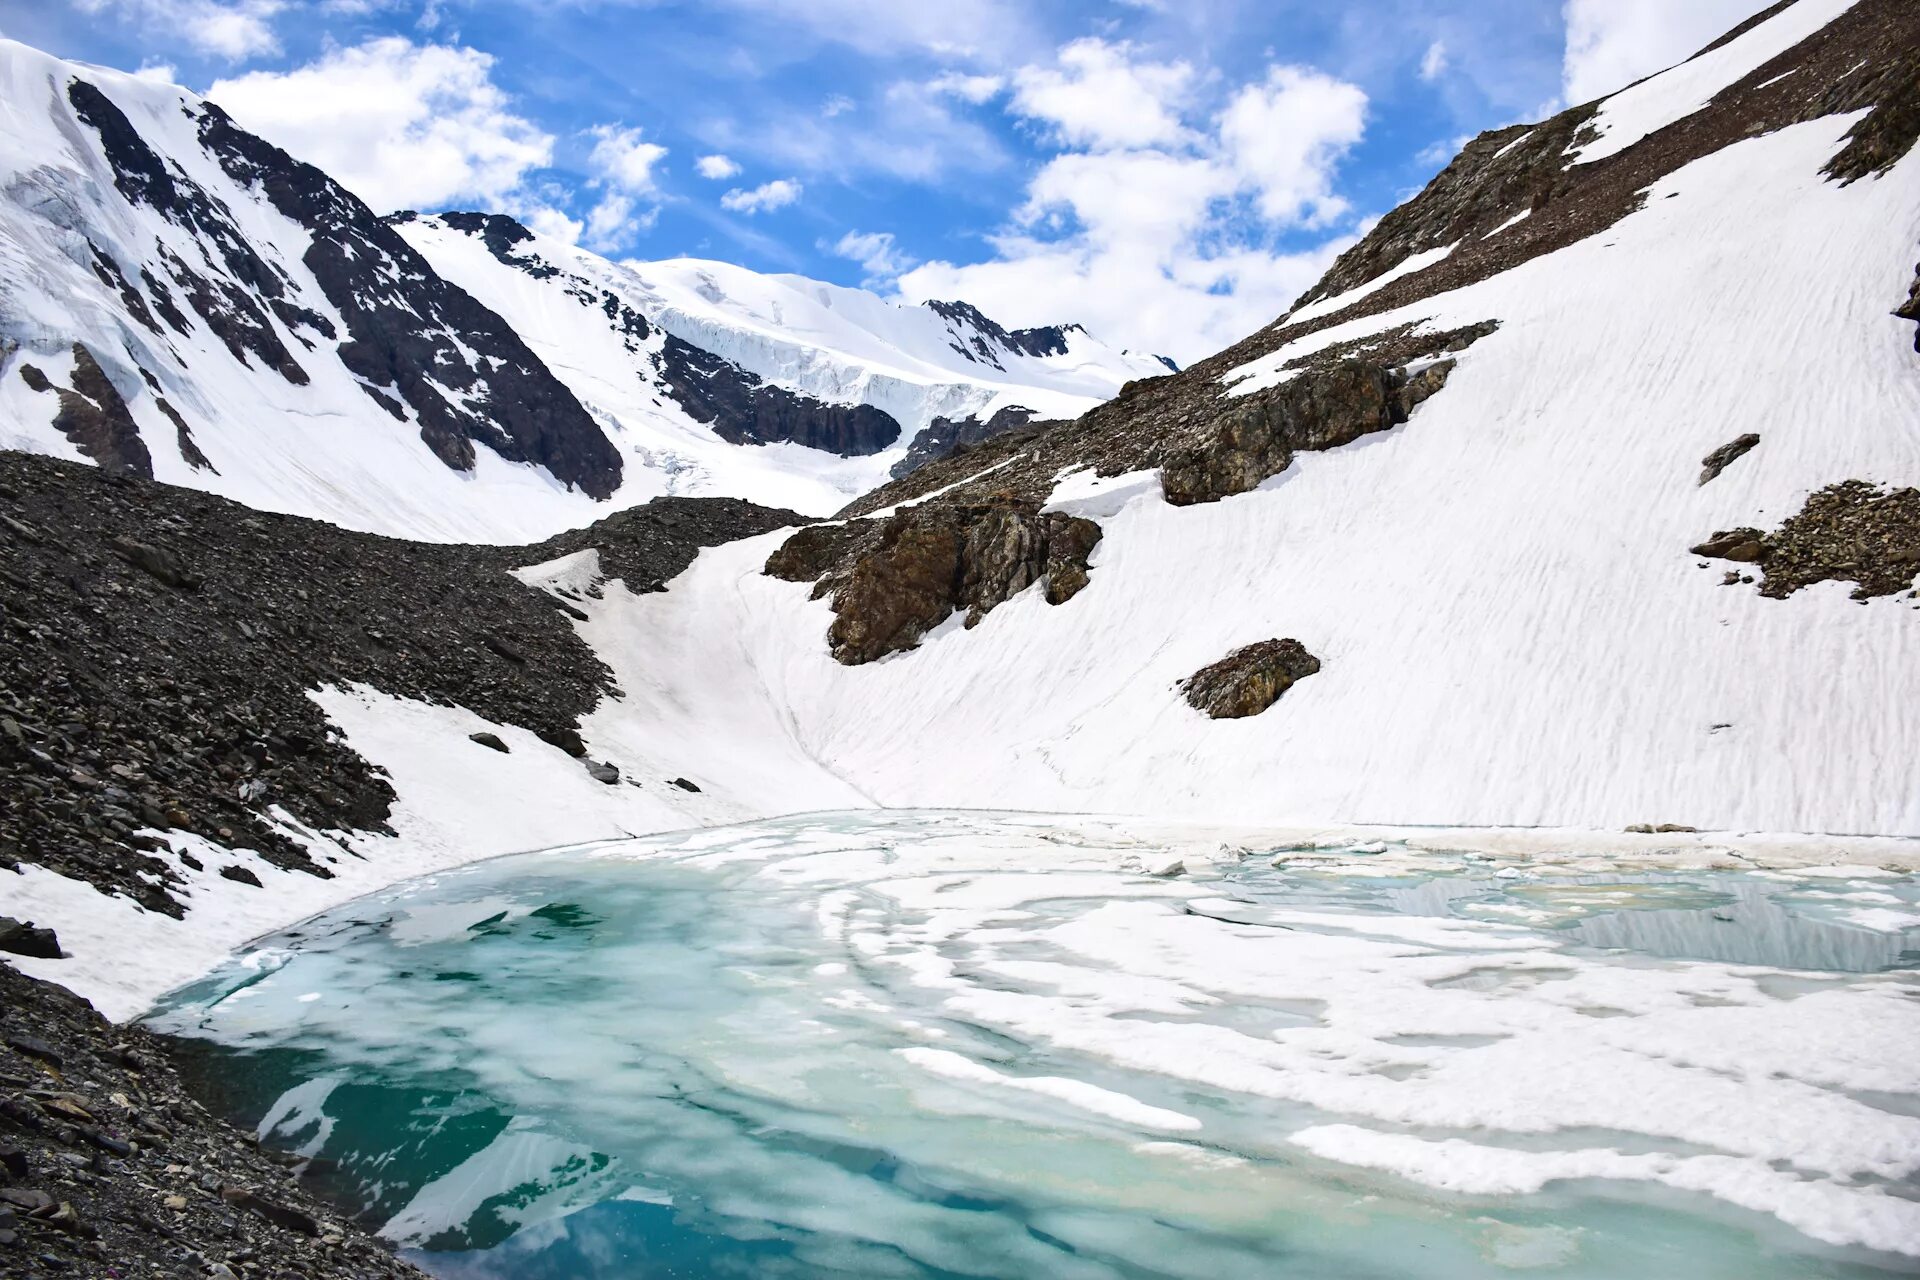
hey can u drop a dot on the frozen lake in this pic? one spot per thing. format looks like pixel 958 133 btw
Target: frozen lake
pixel 940 1044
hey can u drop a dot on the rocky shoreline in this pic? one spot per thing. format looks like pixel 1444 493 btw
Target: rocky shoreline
pixel 110 1169
pixel 160 644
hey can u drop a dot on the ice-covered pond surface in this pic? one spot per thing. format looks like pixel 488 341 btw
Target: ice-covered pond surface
pixel 924 1044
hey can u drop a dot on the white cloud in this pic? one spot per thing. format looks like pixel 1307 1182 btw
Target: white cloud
pixel 911 134
pixel 1157 229
pixel 402 125
pixel 837 105
pixel 613 222
pixel 1433 64
pixel 1098 96
pixel 717 167
pixel 766 196
pixel 974 89
pixel 879 257
pixel 548 221
pixel 622 160
pixel 951 28
pixel 158 73
pixel 1284 137
pixel 1612 43
pixel 233 29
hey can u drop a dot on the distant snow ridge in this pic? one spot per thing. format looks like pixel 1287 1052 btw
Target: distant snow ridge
pixel 795 358
pixel 183 300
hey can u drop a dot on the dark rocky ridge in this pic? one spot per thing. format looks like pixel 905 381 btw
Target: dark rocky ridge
pixel 1248 680
pixel 94 416
pixel 943 436
pixel 488 390
pixel 397 308
pixel 984 341
pixel 741 408
pixel 891 581
pixel 738 406
pixel 159 644
pixel 108 1167
pixel 1848 532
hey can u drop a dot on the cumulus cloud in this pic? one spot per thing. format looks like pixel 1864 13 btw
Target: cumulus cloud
pixel 622 164
pixel 546 220
pixel 233 29
pixel 1433 63
pixel 967 88
pixel 1283 136
pixel 880 258
pixel 622 160
pixel 767 196
pixel 1156 227
pixel 717 167
pixel 1612 43
pixel 1097 95
pixel 401 125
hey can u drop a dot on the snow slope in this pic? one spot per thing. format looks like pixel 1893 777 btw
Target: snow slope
pixel 1512 628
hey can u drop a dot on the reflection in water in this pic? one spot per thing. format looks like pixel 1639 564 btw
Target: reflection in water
pixel 937 1045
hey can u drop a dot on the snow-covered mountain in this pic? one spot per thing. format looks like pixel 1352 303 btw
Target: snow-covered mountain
pixel 183 300
pixel 1587 489
pixel 837 383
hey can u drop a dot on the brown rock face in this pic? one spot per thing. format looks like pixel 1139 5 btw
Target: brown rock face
pixel 894 580
pixel 1248 680
pixel 1318 409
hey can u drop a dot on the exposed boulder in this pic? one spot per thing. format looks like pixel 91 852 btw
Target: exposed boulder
pixel 1248 680
pixel 1727 454
pixel 161 563
pixel 491 741
pixel 24 938
pixel 894 580
pixel 1743 545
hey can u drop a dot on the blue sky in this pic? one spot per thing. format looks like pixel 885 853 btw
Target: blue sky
pixel 1170 172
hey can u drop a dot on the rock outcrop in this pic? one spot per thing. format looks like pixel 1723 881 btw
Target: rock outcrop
pixel 1321 408
pixel 891 581
pixel 944 436
pixel 1848 532
pixel 1726 455
pixel 1910 309
pixel 94 416
pixel 1248 680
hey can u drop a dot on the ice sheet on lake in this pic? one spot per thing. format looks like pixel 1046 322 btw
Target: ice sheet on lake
pixel 994 1045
